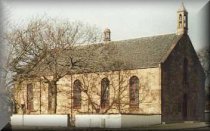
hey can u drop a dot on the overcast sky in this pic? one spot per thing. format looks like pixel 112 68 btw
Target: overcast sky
pixel 126 19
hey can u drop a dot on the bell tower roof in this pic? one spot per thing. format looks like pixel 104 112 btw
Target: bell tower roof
pixel 107 30
pixel 182 8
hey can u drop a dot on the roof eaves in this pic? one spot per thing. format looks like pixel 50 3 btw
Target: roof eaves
pixel 125 69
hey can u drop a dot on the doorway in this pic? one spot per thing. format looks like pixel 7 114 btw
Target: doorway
pixel 184 107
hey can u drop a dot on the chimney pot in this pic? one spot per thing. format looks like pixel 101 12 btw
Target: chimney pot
pixel 107 35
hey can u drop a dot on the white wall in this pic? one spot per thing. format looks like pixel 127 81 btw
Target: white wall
pixel 40 120
pixel 108 121
pixel 140 120
pixel 102 121
pixel 116 121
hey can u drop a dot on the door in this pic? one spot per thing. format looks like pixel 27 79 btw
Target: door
pixel 184 107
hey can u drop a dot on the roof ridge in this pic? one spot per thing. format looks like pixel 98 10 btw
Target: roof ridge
pixel 143 37
pixel 108 42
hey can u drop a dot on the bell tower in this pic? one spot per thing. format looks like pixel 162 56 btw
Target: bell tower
pixel 182 20
pixel 107 35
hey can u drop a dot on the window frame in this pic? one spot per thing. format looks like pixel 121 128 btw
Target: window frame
pixel 77 98
pixel 185 71
pixel 30 97
pixel 134 81
pixel 105 93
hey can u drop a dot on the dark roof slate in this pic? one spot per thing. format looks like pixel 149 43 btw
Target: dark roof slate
pixel 137 53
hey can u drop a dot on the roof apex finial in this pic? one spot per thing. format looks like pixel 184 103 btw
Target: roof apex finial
pixel 182 7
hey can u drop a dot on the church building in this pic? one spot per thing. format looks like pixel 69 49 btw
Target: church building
pixel 156 78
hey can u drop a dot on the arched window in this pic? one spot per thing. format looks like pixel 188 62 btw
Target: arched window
pixel 180 20
pixel 185 21
pixel 77 94
pixel 185 71
pixel 180 17
pixel 184 106
pixel 134 91
pixel 30 95
pixel 104 92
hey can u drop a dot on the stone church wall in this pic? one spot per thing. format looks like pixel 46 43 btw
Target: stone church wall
pixel 173 88
pixel 149 93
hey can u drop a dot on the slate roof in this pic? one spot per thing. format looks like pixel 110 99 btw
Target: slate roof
pixel 135 53
pixel 145 52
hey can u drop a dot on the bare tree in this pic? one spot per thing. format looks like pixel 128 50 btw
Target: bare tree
pixel 118 90
pixel 204 57
pixel 117 93
pixel 48 50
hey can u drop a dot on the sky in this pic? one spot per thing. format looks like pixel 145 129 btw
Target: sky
pixel 125 19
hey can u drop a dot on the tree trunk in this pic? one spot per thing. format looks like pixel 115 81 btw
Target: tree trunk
pixel 52 97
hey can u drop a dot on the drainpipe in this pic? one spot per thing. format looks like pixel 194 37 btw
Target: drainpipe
pixel 119 103
pixel 71 115
pixel 40 97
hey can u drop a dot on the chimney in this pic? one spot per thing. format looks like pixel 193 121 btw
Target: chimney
pixel 107 35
